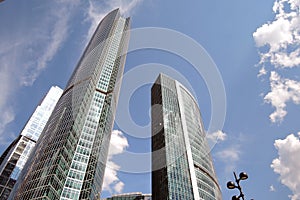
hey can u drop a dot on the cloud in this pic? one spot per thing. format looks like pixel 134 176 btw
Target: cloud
pixel 7 114
pixel 118 145
pixel 119 187
pixel 279 46
pixel 228 153
pixel 287 164
pixel 262 72
pixel 216 136
pixel 229 156
pixel 6 117
pixel 272 188
pixel 281 36
pixel 46 46
pixel 282 91
pixel 98 9
pixel 27 48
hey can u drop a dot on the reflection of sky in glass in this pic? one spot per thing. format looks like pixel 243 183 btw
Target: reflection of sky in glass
pixel 39 118
pixel 33 129
pixel 23 157
pixel 22 147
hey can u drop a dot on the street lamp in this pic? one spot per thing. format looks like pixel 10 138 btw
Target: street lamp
pixel 231 185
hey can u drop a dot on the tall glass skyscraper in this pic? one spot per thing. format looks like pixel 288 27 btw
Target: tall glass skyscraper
pixel 70 156
pixel 14 158
pixel 182 167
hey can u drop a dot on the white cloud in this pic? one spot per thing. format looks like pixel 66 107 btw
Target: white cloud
pixel 47 38
pixel 287 164
pixel 97 10
pixel 276 34
pixel 6 117
pixel 119 187
pixel 26 50
pixel 280 39
pixel 7 114
pixel 262 72
pixel 215 137
pixel 229 156
pixel 272 188
pixel 118 145
pixel 282 91
pixel 281 36
pixel 229 152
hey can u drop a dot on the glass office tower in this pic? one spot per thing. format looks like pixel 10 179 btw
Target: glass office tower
pixel 70 157
pixel 182 167
pixel 15 156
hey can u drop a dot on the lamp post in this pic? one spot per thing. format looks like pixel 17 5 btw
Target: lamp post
pixel 231 185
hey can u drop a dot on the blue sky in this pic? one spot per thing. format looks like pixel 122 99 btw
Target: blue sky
pixel 255 46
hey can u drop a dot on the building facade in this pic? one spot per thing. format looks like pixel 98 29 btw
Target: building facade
pixel 70 157
pixel 15 156
pixel 130 196
pixel 182 167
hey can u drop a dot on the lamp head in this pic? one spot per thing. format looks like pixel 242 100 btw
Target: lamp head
pixel 235 198
pixel 231 185
pixel 243 176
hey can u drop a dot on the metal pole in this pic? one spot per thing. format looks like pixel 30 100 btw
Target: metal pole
pixel 238 186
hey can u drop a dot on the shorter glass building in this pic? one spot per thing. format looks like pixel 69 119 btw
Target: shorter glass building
pixel 182 167
pixel 130 196
pixel 15 156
